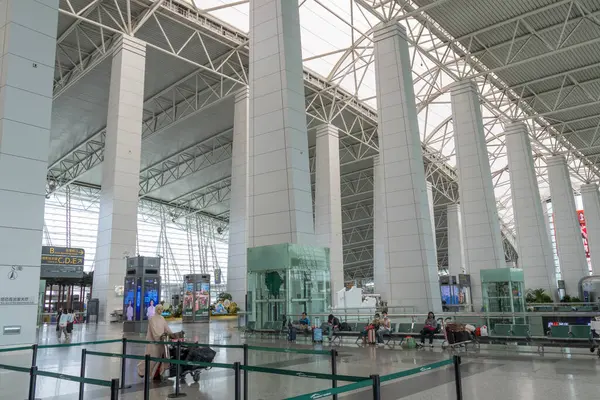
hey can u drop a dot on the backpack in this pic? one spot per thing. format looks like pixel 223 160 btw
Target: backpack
pixel 345 327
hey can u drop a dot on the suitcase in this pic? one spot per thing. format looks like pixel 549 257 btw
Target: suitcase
pixel 292 334
pixel 371 336
pixel 462 336
pixel 317 335
pixel 450 336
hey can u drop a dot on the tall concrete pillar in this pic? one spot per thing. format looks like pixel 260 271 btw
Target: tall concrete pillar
pixel 483 240
pixel 432 217
pixel 117 224
pixel 328 203
pixel 547 218
pixel 456 263
pixel 569 243
pixel 28 31
pixel 381 273
pixel 535 250
pixel 280 206
pixel 409 248
pixel 238 215
pixel 591 208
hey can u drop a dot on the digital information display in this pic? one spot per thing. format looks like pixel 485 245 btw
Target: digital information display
pixel 150 297
pixel 129 299
pixel 188 299
pixel 62 262
pixel 202 298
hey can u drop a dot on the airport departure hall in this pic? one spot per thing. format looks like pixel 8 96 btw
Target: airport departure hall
pixel 300 199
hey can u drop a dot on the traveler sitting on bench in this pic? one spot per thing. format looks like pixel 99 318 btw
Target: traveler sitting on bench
pixel 374 325
pixel 304 323
pixel 384 328
pixel 429 329
pixel 332 325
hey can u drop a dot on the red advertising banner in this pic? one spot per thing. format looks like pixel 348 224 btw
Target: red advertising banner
pixel 584 236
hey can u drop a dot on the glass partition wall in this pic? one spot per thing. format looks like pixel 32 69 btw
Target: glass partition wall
pixel 284 281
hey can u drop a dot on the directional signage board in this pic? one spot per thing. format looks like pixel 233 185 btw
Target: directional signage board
pixel 62 262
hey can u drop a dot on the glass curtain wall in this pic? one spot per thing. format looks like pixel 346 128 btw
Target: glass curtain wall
pixel 189 245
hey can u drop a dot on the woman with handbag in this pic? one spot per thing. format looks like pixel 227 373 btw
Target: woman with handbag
pixel 428 330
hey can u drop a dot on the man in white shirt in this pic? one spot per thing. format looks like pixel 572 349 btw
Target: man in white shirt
pixel 384 328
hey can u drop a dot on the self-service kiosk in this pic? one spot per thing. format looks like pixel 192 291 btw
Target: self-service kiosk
pixel 196 298
pixel 141 292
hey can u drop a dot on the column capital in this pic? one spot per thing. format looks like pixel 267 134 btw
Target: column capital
pixel 130 43
pixel 514 127
pixel 589 188
pixel 462 86
pixel 376 159
pixel 386 30
pixel 455 207
pixel 556 160
pixel 327 129
pixel 242 94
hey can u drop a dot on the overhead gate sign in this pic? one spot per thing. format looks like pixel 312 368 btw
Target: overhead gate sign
pixel 62 262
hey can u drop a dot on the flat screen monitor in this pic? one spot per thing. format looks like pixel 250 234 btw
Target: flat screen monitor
pixel 150 297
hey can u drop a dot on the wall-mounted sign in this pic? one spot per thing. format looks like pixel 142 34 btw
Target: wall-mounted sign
pixel 16 300
pixel 62 262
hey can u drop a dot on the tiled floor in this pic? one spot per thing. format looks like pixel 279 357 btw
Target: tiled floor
pixel 498 373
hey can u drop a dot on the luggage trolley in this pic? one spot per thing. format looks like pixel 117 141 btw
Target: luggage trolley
pixel 450 340
pixel 189 353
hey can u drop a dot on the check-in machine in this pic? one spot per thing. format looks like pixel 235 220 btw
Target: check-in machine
pixel 141 292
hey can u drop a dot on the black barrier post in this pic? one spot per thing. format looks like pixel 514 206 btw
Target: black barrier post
pixel 238 388
pixel 246 385
pixel 123 365
pixel 457 378
pixel 114 389
pixel 82 373
pixel 177 373
pixel 34 349
pixel 147 377
pixel 32 377
pixel 376 387
pixel 334 370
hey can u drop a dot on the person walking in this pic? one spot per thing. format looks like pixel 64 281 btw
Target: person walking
pixel 62 324
pixel 158 330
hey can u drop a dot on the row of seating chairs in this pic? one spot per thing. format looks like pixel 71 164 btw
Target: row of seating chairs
pixel 572 335
pixel 399 331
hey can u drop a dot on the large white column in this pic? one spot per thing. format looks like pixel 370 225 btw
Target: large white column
pixel 28 32
pixel 535 250
pixel 280 207
pixel 117 224
pixel 591 208
pixel 432 217
pixel 328 203
pixel 456 263
pixel 482 237
pixel 381 274
pixel 409 248
pixel 569 243
pixel 238 214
